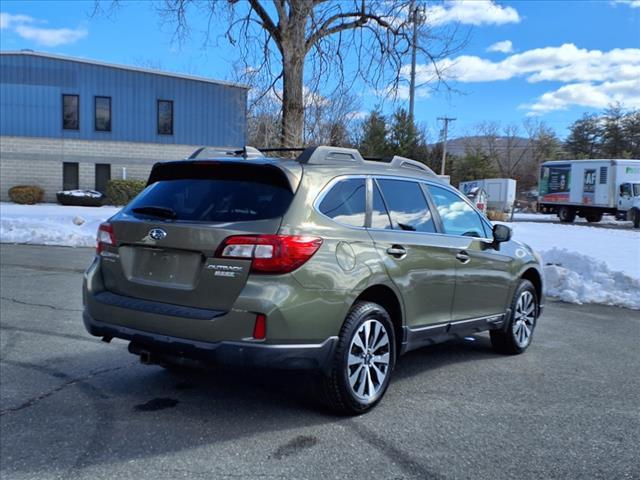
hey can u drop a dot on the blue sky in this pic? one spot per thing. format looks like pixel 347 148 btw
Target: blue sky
pixel 550 59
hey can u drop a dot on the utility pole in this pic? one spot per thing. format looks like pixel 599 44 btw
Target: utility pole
pixel 446 121
pixel 413 12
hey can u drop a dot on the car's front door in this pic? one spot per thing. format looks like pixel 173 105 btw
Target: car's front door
pixel 416 258
pixel 483 274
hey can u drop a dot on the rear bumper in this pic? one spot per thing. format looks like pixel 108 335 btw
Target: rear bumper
pixel 244 354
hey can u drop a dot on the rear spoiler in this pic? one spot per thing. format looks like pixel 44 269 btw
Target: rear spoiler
pixel 263 172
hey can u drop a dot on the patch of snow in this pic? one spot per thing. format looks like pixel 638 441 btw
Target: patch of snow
pixel 51 224
pixel 576 278
pixel 619 249
pixel 81 193
pixel 551 217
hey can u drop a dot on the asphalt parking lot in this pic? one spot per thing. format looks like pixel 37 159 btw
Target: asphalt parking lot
pixel 74 407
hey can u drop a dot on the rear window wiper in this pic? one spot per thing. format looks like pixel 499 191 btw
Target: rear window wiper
pixel 156 211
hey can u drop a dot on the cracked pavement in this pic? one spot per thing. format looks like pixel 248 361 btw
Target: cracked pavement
pixel 73 407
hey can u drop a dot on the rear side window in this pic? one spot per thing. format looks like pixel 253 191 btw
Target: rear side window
pixel 228 195
pixel 345 202
pixel 407 206
pixel 379 215
pixel 458 218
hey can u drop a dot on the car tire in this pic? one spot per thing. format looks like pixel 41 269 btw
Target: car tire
pixel 594 217
pixel 566 215
pixel 634 216
pixel 517 334
pixel 363 361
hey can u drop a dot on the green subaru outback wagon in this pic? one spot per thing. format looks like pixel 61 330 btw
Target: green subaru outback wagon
pixel 329 262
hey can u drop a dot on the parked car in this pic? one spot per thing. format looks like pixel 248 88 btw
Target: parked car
pixel 590 189
pixel 328 262
pixel 80 198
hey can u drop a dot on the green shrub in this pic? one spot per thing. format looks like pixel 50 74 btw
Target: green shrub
pixel 121 192
pixel 26 194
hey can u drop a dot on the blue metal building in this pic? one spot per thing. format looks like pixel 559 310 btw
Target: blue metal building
pixel 57 110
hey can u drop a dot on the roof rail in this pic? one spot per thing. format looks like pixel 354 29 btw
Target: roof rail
pixel 212 152
pixel 329 155
pixel 401 162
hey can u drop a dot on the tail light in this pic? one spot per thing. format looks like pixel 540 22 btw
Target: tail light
pixel 270 253
pixel 106 236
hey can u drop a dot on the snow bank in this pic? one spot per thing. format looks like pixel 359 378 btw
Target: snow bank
pixel 619 249
pixel 576 278
pixel 51 224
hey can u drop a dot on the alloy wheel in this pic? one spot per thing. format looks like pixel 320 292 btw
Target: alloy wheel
pixel 368 362
pixel 524 318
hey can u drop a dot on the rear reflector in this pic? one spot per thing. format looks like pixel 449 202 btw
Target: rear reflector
pixel 260 327
pixel 270 253
pixel 106 236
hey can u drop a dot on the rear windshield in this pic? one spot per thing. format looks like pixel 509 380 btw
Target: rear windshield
pixel 228 198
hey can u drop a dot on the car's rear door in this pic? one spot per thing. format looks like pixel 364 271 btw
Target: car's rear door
pixel 483 273
pixel 417 260
pixel 166 239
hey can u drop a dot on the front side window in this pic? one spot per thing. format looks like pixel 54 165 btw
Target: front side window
pixel 458 218
pixel 103 114
pixel 165 117
pixel 345 202
pixel 407 205
pixel 70 112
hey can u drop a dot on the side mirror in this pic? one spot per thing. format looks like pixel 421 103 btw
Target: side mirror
pixel 501 233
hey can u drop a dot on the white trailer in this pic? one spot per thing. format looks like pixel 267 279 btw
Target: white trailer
pixel 501 192
pixel 590 188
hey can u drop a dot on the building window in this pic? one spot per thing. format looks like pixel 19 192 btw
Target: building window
pixel 103 114
pixel 165 117
pixel 70 112
pixel 103 175
pixel 70 176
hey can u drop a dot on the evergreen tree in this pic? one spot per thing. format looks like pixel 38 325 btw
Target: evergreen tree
pixel 614 144
pixel 374 136
pixel 585 137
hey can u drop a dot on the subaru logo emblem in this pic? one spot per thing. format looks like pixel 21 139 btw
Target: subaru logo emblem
pixel 157 233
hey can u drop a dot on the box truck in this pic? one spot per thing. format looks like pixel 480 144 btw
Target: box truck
pixel 501 192
pixel 590 188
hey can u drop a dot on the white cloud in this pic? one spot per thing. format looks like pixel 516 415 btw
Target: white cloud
pixel 592 77
pixel 631 3
pixel 7 19
pixel 23 25
pixel 51 37
pixel 476 12
pixel 504 46
pixel 626 92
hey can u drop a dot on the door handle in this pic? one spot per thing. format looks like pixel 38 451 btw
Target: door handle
pixel 397 251
pixel 463 256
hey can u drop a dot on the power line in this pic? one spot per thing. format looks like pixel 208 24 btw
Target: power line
pixel 446 121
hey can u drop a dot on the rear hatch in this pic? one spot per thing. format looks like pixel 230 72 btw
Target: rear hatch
pixel 165 241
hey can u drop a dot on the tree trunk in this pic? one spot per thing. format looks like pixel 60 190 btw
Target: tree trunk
pixel 292 95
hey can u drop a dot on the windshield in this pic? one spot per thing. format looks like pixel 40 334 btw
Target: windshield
pixel 636 189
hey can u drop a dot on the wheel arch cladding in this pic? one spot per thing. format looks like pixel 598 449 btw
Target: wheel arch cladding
pixel 386 298
pixel 533 276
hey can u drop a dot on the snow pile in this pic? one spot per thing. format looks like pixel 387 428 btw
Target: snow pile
pixel 576 278
pixel 51 224
pixel 618 248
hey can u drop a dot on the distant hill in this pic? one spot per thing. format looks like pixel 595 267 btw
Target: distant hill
pixel 458 146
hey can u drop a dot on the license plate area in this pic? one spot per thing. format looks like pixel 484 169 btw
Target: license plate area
pixel 161 267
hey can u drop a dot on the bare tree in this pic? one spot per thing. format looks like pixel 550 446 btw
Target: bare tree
pixel 278 39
